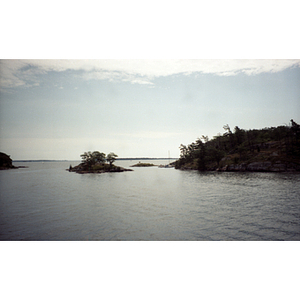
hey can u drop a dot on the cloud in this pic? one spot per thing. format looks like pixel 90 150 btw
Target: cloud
pixel 16 73
pixel 8 73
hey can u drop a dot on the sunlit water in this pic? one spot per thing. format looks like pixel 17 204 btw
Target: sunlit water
pixel 45 202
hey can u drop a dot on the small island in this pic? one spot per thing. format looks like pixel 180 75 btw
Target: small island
pixel 143 165
pixel 6 162
pixel 97 162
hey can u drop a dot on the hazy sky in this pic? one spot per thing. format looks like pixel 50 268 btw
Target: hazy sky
pixel 57 109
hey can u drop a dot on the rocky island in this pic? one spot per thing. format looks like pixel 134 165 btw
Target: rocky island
pixel 5 162
pixel 143 165
pixel 275 149
pixel 97 162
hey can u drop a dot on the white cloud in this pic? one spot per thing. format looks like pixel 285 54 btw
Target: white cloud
pixel 8 73
pixel 25 72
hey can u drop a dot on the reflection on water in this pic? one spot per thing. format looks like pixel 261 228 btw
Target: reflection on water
pixel 44 202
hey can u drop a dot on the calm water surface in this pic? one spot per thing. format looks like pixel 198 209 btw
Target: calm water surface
pixel 45 202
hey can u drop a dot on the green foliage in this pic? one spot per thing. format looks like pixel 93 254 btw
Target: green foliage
pixel 111 157
pixel 96 160
pixel 215 154
pixel 240 146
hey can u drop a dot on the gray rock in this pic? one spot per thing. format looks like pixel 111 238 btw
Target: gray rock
pixel 278 168
pixel 265 166
pixel 259 166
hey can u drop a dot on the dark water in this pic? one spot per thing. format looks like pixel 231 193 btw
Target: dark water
pixel 45 202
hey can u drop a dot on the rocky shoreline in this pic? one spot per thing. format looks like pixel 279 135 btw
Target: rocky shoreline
pixel 13 167
pixel 264 166
pixel 143 165
pixel 81 170
pixel 6 162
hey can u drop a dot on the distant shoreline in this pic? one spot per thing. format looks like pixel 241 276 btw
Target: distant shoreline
pixel 40 160
pixel 66 160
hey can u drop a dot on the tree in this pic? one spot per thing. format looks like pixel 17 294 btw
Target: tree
pixel 239 135
pixel 99 157
pixel 183 151
pixel 229 133
pixel 111 157
pixel 205 138
pixel 215 155
pixel 89 159
pixel 227 128
pixel 201 155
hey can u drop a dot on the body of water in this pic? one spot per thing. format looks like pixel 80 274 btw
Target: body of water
pixel 45 202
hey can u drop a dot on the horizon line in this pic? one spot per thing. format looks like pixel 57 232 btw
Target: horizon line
pixel 121 158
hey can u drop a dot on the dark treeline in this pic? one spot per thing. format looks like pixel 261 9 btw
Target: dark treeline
pixel 241 145
pixel 5 161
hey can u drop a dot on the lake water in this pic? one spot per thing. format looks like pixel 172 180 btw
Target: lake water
pixel 45 202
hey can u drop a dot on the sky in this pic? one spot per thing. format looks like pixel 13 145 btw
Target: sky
pixel 139 79
pixel 58 109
